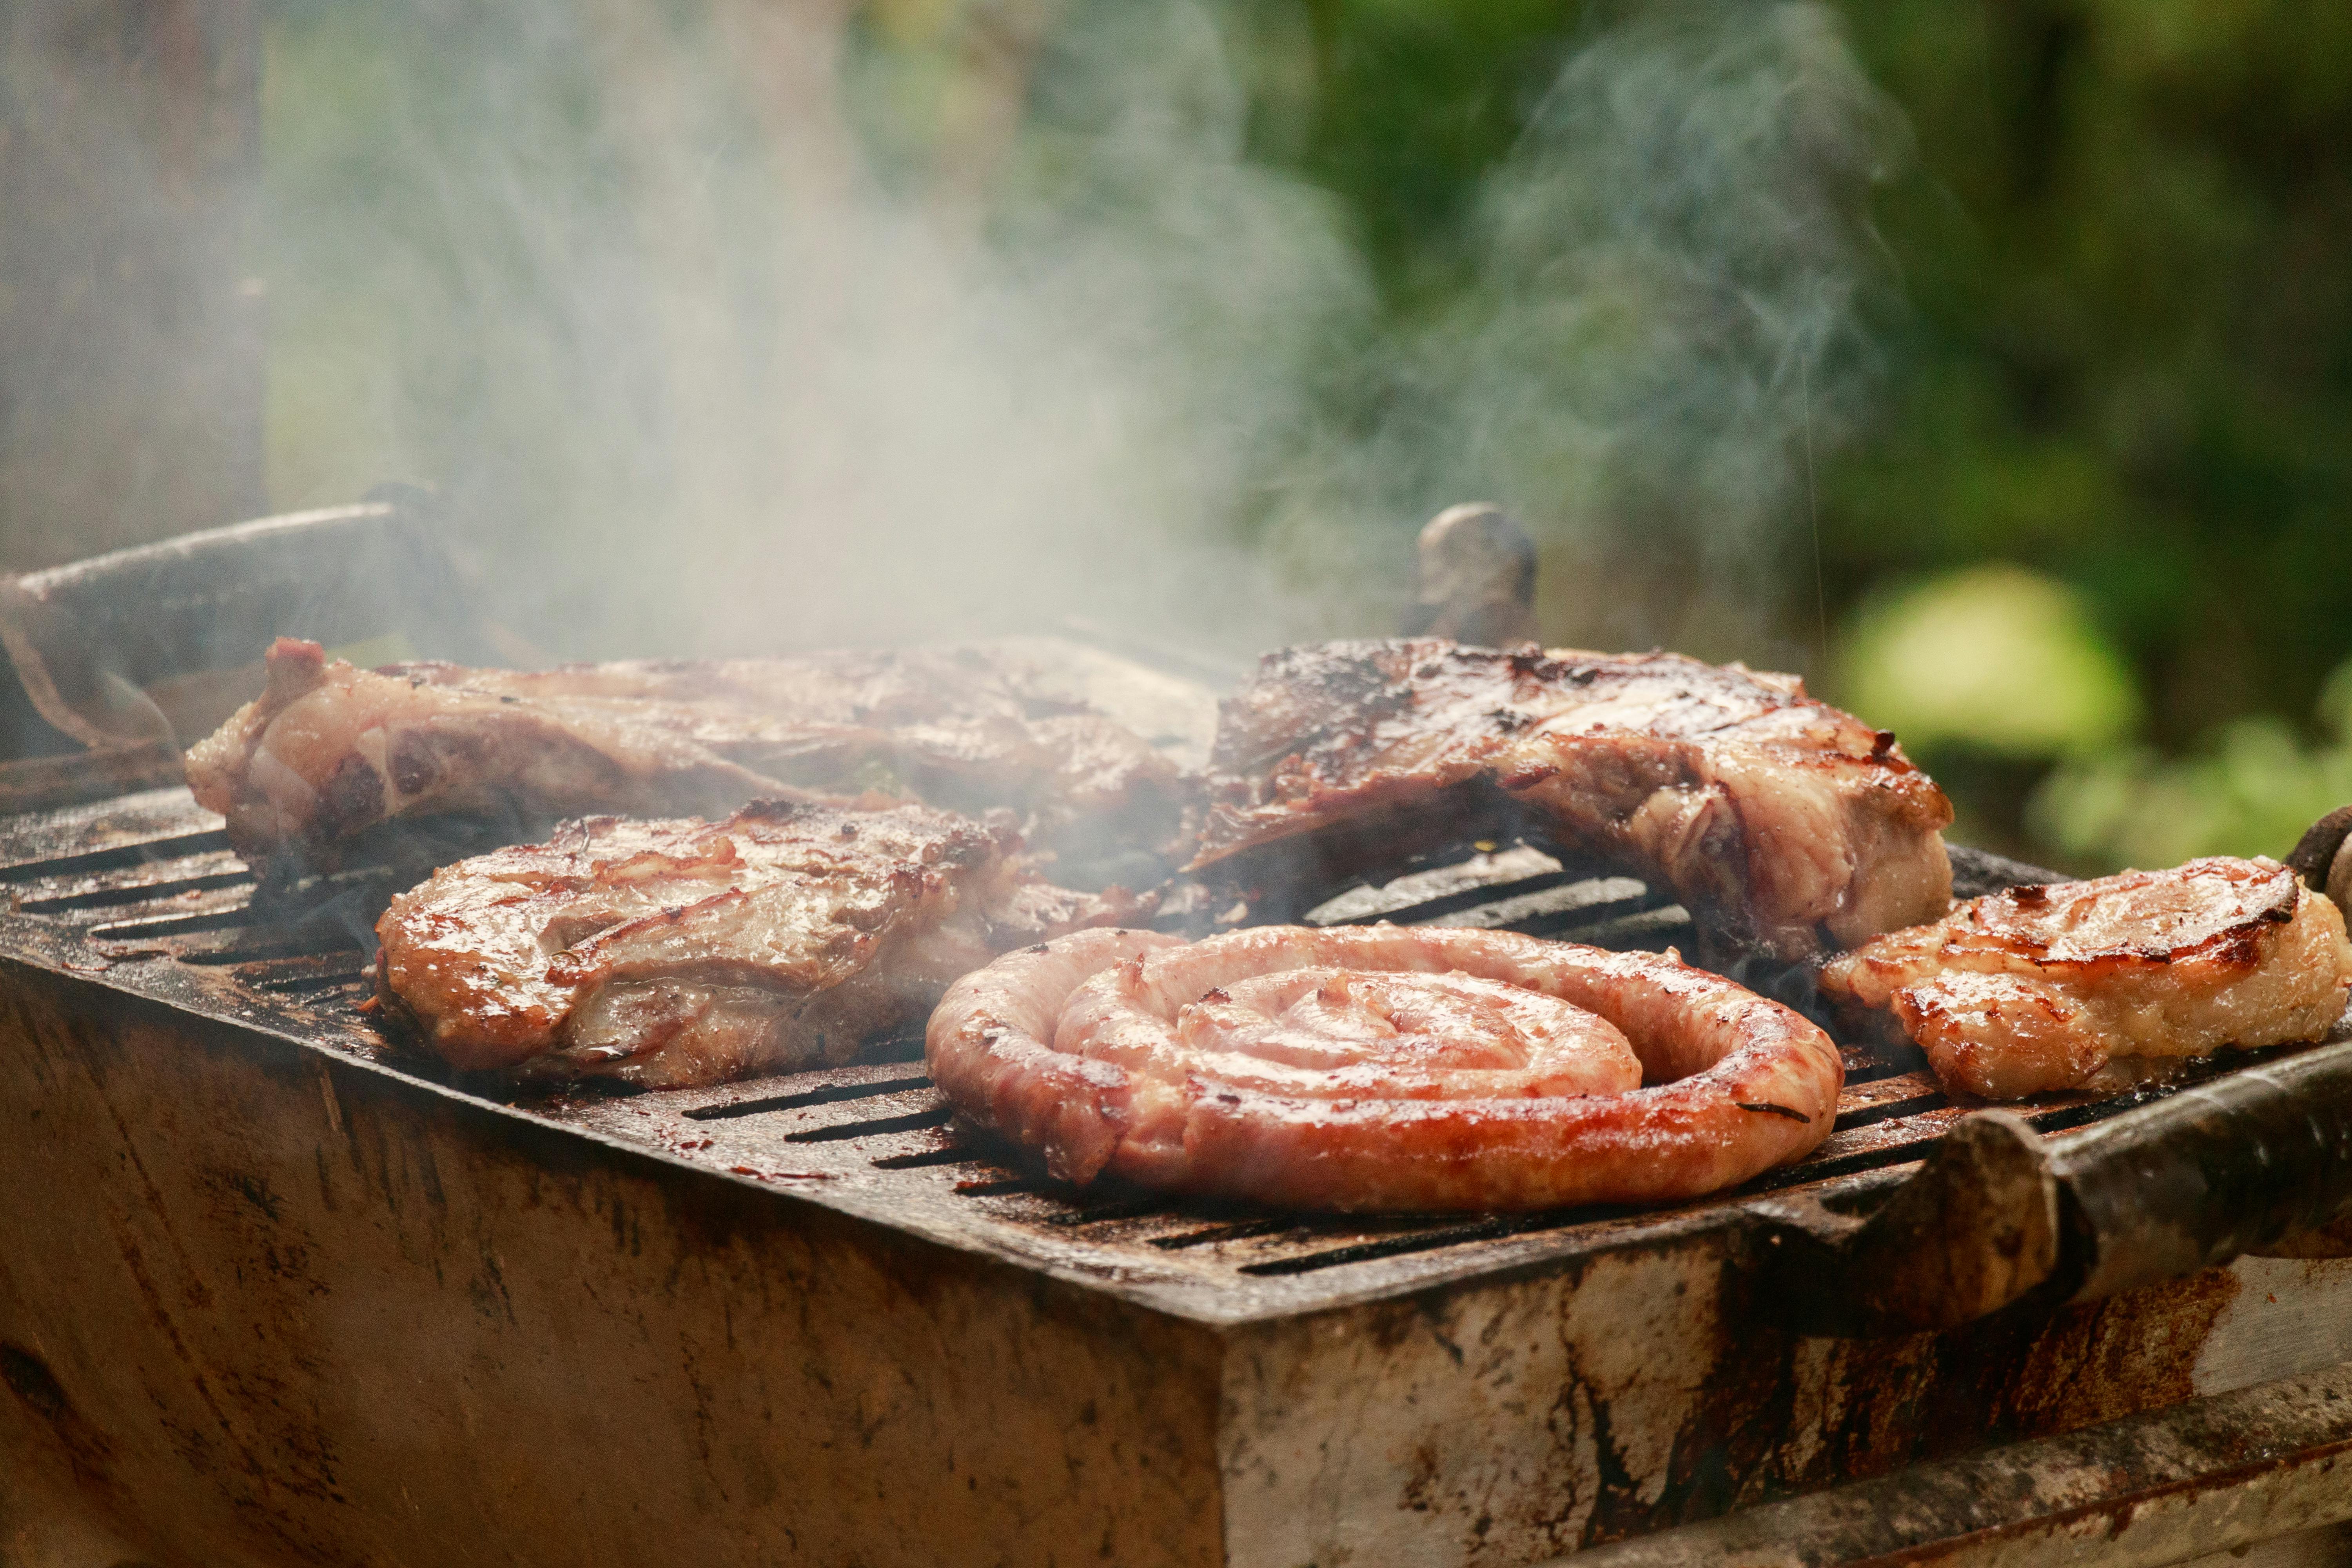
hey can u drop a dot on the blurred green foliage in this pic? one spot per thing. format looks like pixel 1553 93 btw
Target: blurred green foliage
pixel 1994 657
pixel 2250 787
pixel 2126 250
pixel 2123 360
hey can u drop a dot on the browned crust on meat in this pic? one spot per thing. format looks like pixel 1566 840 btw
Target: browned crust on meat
pixel 685 952
pixel 329 750
pixel 2038 988
pixel 1782 822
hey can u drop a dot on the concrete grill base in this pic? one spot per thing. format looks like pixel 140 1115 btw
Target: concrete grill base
pixel 263 1303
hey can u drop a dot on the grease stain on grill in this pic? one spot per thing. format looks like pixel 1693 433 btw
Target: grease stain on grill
pixel 115 896
pixel 1004 1187
pixel 1893 1110
pixel 28 1377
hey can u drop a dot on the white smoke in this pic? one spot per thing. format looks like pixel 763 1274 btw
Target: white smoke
pixel 709 369
pixel 1669 331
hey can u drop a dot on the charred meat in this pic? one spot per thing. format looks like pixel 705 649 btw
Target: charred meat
pixel 1782 823
pixel 1382 1069
pixel 684 951
pixel 329 750
pixel 2036 988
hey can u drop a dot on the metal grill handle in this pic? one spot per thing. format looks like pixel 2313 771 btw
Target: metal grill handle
pixel 2257 1162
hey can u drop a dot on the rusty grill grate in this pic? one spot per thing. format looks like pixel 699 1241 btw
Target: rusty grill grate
pixel 144 893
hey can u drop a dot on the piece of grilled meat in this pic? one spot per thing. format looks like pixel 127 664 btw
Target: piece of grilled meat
pixel 685 952
pixel 1784 826
pixel 2036 988
pixel 329 750
pixel 1382 1068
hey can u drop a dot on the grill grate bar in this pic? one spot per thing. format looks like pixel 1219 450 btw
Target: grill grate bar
pixel 1131 1208
pixel 1422 895
pixel 1651 929
pixel 1897 1153
pixel 1872 1072
pixel 1869 1115
pixel 334 979
pixel 830 1095
pixel 2066 1117
pixel 117 857
pixel 916 1123
pixel 274 950
pixel 1590 902
pixel 1505 903
pixel 1004 1187
pixel 137 893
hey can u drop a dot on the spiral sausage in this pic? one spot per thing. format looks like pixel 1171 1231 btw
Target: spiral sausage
pixel 1382 1068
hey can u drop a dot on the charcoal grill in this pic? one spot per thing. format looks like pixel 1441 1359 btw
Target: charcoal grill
pixel 272 1289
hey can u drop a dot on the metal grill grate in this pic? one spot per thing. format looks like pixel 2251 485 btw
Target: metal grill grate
pixel 154 899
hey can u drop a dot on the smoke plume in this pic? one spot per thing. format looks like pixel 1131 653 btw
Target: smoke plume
pixel 727 330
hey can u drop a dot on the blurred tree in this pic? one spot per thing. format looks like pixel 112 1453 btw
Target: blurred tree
pixel 2123 355
pixel 2128 253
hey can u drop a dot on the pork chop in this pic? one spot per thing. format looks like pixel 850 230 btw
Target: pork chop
pixel 2036 988
pixel 329 750
pixel 1782 823
pixel 684 951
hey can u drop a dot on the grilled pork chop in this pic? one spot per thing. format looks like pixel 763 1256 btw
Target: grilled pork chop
pixel 686 952
pixel 329 750
pixel 2036 988
pixel 1782 824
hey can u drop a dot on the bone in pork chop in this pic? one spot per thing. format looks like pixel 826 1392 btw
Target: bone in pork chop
pixel 329 750
pixel 2036 988
pixel 1781 822
pixel 685 952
